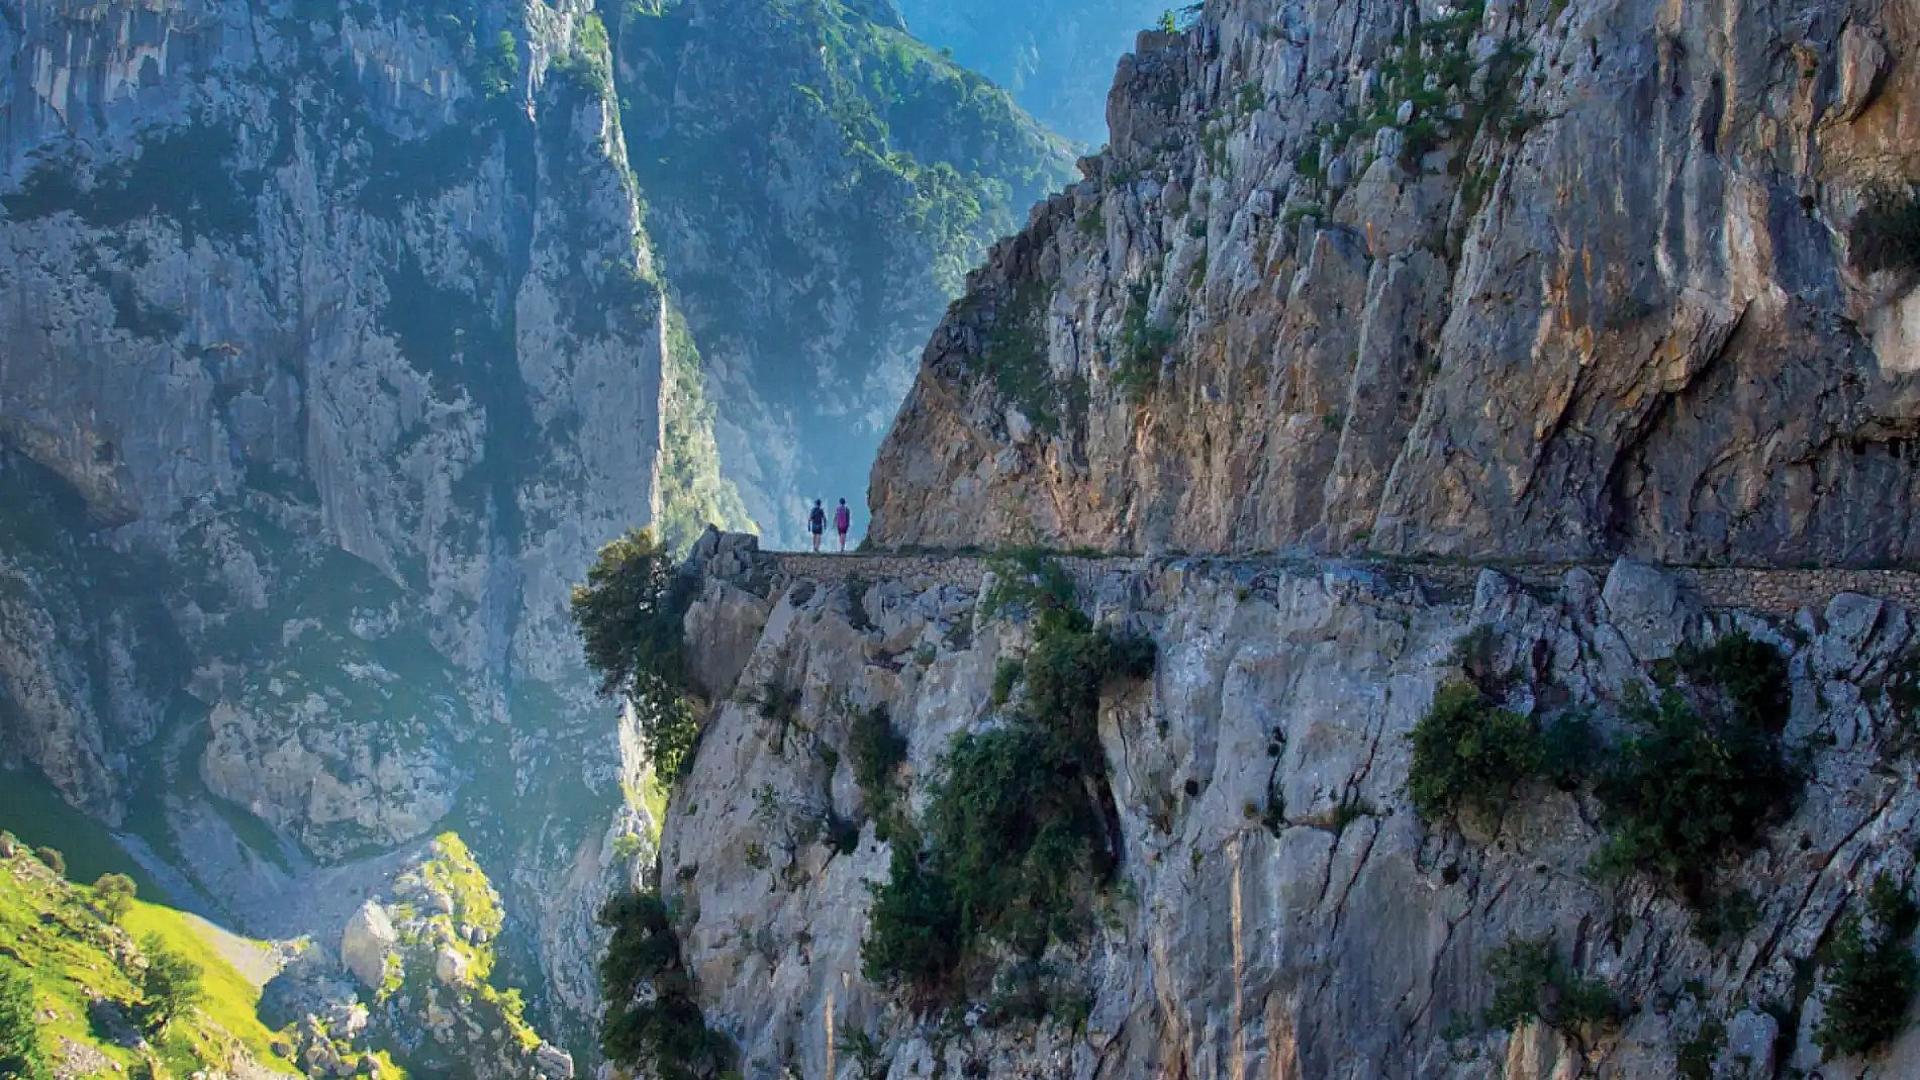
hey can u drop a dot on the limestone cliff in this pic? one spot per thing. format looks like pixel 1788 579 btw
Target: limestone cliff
pixel 334 347
pixel 1500 279
pixel 1278 908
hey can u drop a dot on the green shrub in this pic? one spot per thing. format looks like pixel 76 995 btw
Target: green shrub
pixel 1688 790
pixel 1749 675
pixel 1142 347
pixel 860 1048
pixel 1531 982
pixel 629 614
pixel 1015 841
pixel 20 1054
pixel 1871 975
pixel 113 895
pixel 1033 991
pixel 170 986
pixel 1006 675
pixel 1696 1056
pixel 53 859
pixel 1029 580
pixel 911 933
pixel 779 704
pixel 877 750
pixel 1886 233
pixel 1726 918
pixel 652 1021
pixel 501 69
pixel 1468 752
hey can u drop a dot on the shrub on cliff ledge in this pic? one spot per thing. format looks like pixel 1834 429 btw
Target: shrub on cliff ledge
pixel 1872 975
pixel 1467 751
pixel 1531 982
pixel 629 613
pixel 1016 836
pixel 1703 774
pixel 1690 788
pixel 652 1021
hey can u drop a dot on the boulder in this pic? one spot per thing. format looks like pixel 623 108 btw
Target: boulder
pixel 367 942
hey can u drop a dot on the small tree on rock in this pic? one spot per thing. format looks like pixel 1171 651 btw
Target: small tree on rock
pixel 629 613
pixel 652 1020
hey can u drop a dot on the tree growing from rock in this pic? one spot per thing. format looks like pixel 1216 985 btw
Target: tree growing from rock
pixel 653 1021
pixel 629 613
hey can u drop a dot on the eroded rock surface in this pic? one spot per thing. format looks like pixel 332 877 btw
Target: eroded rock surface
pixel 1488 280
pixel 1279 910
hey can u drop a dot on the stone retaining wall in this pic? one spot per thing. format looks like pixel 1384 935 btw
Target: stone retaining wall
pixel 1780 593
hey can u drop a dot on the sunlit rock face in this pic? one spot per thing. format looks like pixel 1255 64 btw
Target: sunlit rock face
pixel 1552 279
pixel 1278 908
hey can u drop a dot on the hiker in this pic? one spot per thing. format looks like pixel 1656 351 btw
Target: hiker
pixel 842 521
pixel 816 523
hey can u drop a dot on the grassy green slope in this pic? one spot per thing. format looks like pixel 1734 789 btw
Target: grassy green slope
pixel 49 927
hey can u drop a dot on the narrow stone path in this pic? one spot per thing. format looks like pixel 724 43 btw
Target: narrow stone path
pixel 1780 592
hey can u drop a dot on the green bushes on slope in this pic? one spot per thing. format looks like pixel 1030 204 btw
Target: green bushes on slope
pixel 75 965
pixel 1016 838
pixel 652 1020
pixel 1871 974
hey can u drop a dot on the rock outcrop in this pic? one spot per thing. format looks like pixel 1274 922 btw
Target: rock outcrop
pixel 1278 908
pixel 1484 280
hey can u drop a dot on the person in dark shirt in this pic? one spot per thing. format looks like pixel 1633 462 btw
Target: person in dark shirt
pixel 816 523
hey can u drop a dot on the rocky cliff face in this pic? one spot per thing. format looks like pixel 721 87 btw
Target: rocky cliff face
pixel 1480 280
pixel 333 348
pixel 1277 907
pixel 819 183
pixel 1055 59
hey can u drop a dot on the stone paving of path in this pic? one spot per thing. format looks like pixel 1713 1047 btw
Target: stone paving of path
pixel 1780 592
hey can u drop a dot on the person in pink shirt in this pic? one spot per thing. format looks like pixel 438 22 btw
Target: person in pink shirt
pixel 842 522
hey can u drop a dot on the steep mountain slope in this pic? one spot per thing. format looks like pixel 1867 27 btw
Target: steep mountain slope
pixel 1483 280
pixel 1534 285
pixel 1056 59
pixel 819 183
pixel 333 348
pixel 85 971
